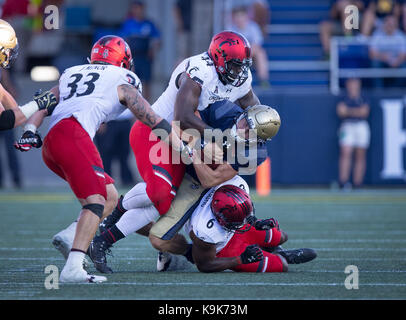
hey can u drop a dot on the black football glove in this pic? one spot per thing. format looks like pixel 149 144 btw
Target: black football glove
pixel 28 140
pixel 266 224
pixel 46 100
pixel 251 254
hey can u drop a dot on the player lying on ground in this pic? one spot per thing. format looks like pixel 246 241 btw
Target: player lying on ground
pixel 11 115
pixel 200 176
pixel 89 95
pixel 226 235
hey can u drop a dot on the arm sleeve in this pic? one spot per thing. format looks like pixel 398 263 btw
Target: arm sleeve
pixel 7 120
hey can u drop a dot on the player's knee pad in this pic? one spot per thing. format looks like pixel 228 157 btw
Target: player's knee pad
pixel 95 208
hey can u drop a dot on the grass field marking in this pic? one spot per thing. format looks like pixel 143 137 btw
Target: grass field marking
pixel 182 270
pixel 361 259
pixel 37 198
pixel 154 259
pixel 216 284
pixel 350 240
pixel 360 271
pixel 344 199
pixel 384 198
pixel 149 249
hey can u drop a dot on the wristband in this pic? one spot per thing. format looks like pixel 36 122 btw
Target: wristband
pixel 164 125
pixel 29 109
pixel 30 127
pixel 239 261
pixel 7 119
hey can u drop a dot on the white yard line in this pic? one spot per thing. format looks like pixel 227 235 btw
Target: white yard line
pixel 226 284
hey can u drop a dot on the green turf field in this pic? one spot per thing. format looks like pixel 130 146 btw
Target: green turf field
pixel 365 228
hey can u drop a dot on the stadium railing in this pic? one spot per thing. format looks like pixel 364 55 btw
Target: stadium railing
pixel 349 57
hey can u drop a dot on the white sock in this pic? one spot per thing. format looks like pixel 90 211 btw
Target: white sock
pixel 137 197
pixel 134 219
pixel 75 259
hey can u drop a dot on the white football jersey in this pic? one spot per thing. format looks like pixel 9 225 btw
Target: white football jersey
pixel 204 223
pixel 89 93
pixel 201 69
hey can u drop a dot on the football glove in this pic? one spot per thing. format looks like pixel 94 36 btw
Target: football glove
pixel 186 153
pixel 46 100
pixel 28 140
pixel 251 254
pixel 266 224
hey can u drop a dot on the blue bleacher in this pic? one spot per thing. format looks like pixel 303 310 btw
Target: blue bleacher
pixel 293 40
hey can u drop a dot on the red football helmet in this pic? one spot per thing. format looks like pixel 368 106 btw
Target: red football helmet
pixel 231 54
pixel 231 206
pixel 112 50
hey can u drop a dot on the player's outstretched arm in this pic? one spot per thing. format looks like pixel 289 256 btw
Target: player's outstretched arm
pixel 204 255
pixel 31 137
pixel 209 177
pixel 17 115
pixel 131 98
pixel 186 103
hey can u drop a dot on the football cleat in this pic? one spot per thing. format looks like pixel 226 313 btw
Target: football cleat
pixel 298 255
pixel 113 218
pixel 78 275
pixel 97 253
pixel 274 250
pixel 163 262
pixel 63 241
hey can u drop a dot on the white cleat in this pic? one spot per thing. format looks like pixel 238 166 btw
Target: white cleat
pixel 163 262
pixel 63 241
pixel 79 275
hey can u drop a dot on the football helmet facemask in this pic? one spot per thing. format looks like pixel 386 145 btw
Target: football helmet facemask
pixel 231 206
pixel 112 50
pixel 264 120
pixel 231 54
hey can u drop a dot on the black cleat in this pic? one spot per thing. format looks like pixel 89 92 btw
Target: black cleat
pixel 97 253
pixel 274 250
pixel 298 255
pixel 113 218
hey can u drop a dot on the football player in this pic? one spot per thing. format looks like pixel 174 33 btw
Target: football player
pixel 198 178
pixel 221 73
pixel 226 234
pixel 11 115
pixel 89 95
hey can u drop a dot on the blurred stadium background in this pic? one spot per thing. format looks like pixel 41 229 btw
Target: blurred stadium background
pixel 304 81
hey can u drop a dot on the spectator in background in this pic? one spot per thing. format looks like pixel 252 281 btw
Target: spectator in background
pixel 143 37
pixel 261 14
pixel 388 47
pixel 8 137
pixel 16 12
pixel 113 143
pixel 183 19
pixel 377 11
pixel 403 15
pixel 336 24
pixel 258 11
pixel 241 23
pixel 354 134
